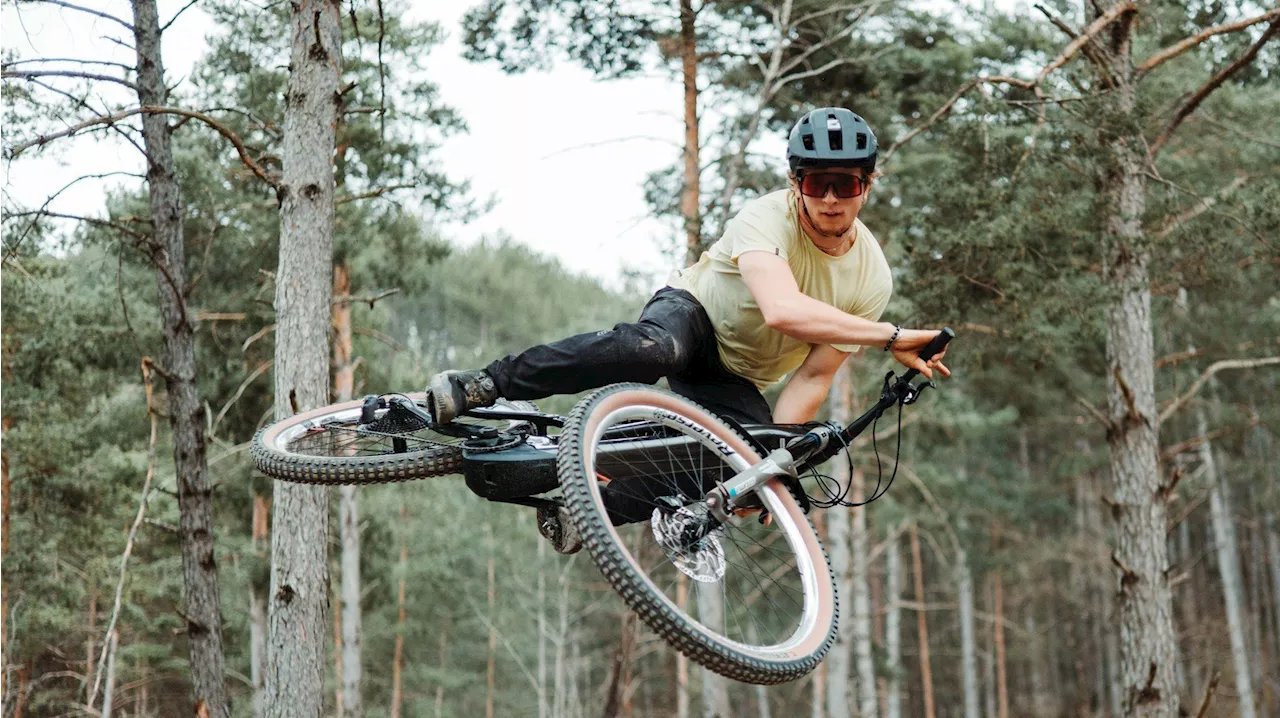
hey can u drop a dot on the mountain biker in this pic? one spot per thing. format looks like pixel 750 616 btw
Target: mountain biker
pixel 795 284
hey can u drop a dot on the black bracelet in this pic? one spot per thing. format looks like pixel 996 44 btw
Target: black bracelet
pixel 896 331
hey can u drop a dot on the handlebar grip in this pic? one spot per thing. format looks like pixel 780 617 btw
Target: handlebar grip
pixel 937 344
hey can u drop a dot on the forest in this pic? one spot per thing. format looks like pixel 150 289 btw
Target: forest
pixel 1081 521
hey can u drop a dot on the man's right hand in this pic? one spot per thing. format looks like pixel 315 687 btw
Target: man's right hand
pixel 906 349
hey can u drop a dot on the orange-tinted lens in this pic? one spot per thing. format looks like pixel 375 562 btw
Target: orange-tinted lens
pixel 845 186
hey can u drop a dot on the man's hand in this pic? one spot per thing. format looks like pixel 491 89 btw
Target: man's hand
pixel 906 349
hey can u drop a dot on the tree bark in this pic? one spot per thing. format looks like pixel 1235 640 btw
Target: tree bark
pixel 493 627
pixel 444 655
pixel 1148 646
pixel 348 509
pixel 926 672
pixel 5 489
pixel 258 606
pixel 892 626
pixel 839 658
pixel 968 648
pixel 299 570
pixel 186 412
pixel 542 630
pixel 682 663
pixel 397 657
pixel 715 687
pixel 621 666
pixel 1224 540
pixel 690 209
pixel 109 691
pixel 1002 676
pixel 862 602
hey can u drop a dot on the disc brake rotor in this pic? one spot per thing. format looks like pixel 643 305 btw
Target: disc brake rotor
pixel 703 560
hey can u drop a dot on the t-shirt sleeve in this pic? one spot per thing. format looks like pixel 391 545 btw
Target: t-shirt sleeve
pixel 756 228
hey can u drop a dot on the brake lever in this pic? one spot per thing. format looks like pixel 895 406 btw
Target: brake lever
pixel 912 394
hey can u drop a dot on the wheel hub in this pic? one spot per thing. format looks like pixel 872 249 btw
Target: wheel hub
pixel 701 558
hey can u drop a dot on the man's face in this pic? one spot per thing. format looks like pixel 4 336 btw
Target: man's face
pixel 830 214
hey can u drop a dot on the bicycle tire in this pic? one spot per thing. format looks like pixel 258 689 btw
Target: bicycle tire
pixel 275 455
pixel 733 657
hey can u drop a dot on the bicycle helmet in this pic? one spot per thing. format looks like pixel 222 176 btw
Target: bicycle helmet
pixel 831 137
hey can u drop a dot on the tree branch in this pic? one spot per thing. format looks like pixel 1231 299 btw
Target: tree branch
pixel 91 11
pixel 77 60
pixel 1191 104
pixel 941 111
pixel 1214 368
pixel 1093 29
pixel 262 368
pixel 32 74
pixel 370 299
pixel 373 193
pixel 1204 205
pixel 154 110
pixel 1182 46
pixel 137 521
pixel 177 15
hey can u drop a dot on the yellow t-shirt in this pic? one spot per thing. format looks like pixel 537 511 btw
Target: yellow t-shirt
pixel 858 282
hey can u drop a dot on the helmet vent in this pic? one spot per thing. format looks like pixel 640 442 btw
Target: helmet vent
pixel 808 141
pixel 835 140
pixel 862 140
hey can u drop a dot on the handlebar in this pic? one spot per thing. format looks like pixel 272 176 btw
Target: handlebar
pixel 932 349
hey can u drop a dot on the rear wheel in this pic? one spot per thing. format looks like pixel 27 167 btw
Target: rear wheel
pixel 329 445
pixel 753 600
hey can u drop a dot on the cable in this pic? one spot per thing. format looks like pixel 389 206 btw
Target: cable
pixel 837 496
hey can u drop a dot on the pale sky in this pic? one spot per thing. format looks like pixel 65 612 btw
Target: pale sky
pixel 566 185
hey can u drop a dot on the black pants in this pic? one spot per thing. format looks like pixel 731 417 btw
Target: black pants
pixel 673 338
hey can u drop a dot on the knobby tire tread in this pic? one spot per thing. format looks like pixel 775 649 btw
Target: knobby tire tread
pixel 653 610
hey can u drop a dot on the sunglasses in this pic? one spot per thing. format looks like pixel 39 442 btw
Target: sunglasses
pixel 815 184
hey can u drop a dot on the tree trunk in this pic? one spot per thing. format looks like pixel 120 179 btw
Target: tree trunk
pixel 1148 650
pixel 397 658
pixel 715 687
pixel 968 649
pixel 299 570
pixel 90 662
pixel 839 658
pixel 618 673
pixel 926 672
pixel 444 655
pixel 682 663
pixel 186 412
pixel 109 691
pixel 1224 540
pixel 862 603
pixel 258 605
pixel 1273 556
pixel 5 489
pixel 348 509
pixel 1002 676
pixel 690 208
pixel 542 630
pixel 493 626
pixel 892 626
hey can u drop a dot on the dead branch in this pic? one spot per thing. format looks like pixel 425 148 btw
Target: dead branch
pixel 373 193
pixel 1209 690
pixel 1204 205
pixel 262 368
pixel 137 521
pixel 177 15
pixel 1182 46
pixel 91 220
pixel 1096 54
pixel 220 316
pixel 938 511
pixel 1105 19
pixel 11 63
pixel 1094 411
pixel 1189 444
pixel 370 299
pixel 941 111
pixel 1214 368
pixel 1191 104
pixel 32 74
pixel 153 110
pixel 17 244
pixel 128 26
pixel 256 336
pixel 384 338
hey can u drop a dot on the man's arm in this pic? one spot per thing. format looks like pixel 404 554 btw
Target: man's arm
pixel 809 385
pixel 788 310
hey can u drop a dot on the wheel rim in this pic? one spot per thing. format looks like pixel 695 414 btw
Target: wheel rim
pixel 772 601
pixel 335 432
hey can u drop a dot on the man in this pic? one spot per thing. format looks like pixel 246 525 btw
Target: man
pixel 795 285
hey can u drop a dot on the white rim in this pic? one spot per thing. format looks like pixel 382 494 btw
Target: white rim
pixel 788 649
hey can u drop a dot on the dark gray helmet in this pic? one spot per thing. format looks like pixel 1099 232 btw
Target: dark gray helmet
pixel 831 137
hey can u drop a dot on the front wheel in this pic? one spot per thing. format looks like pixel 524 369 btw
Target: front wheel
pixel 753 600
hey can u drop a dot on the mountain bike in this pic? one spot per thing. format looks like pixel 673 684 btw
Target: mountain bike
pixel 700 524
